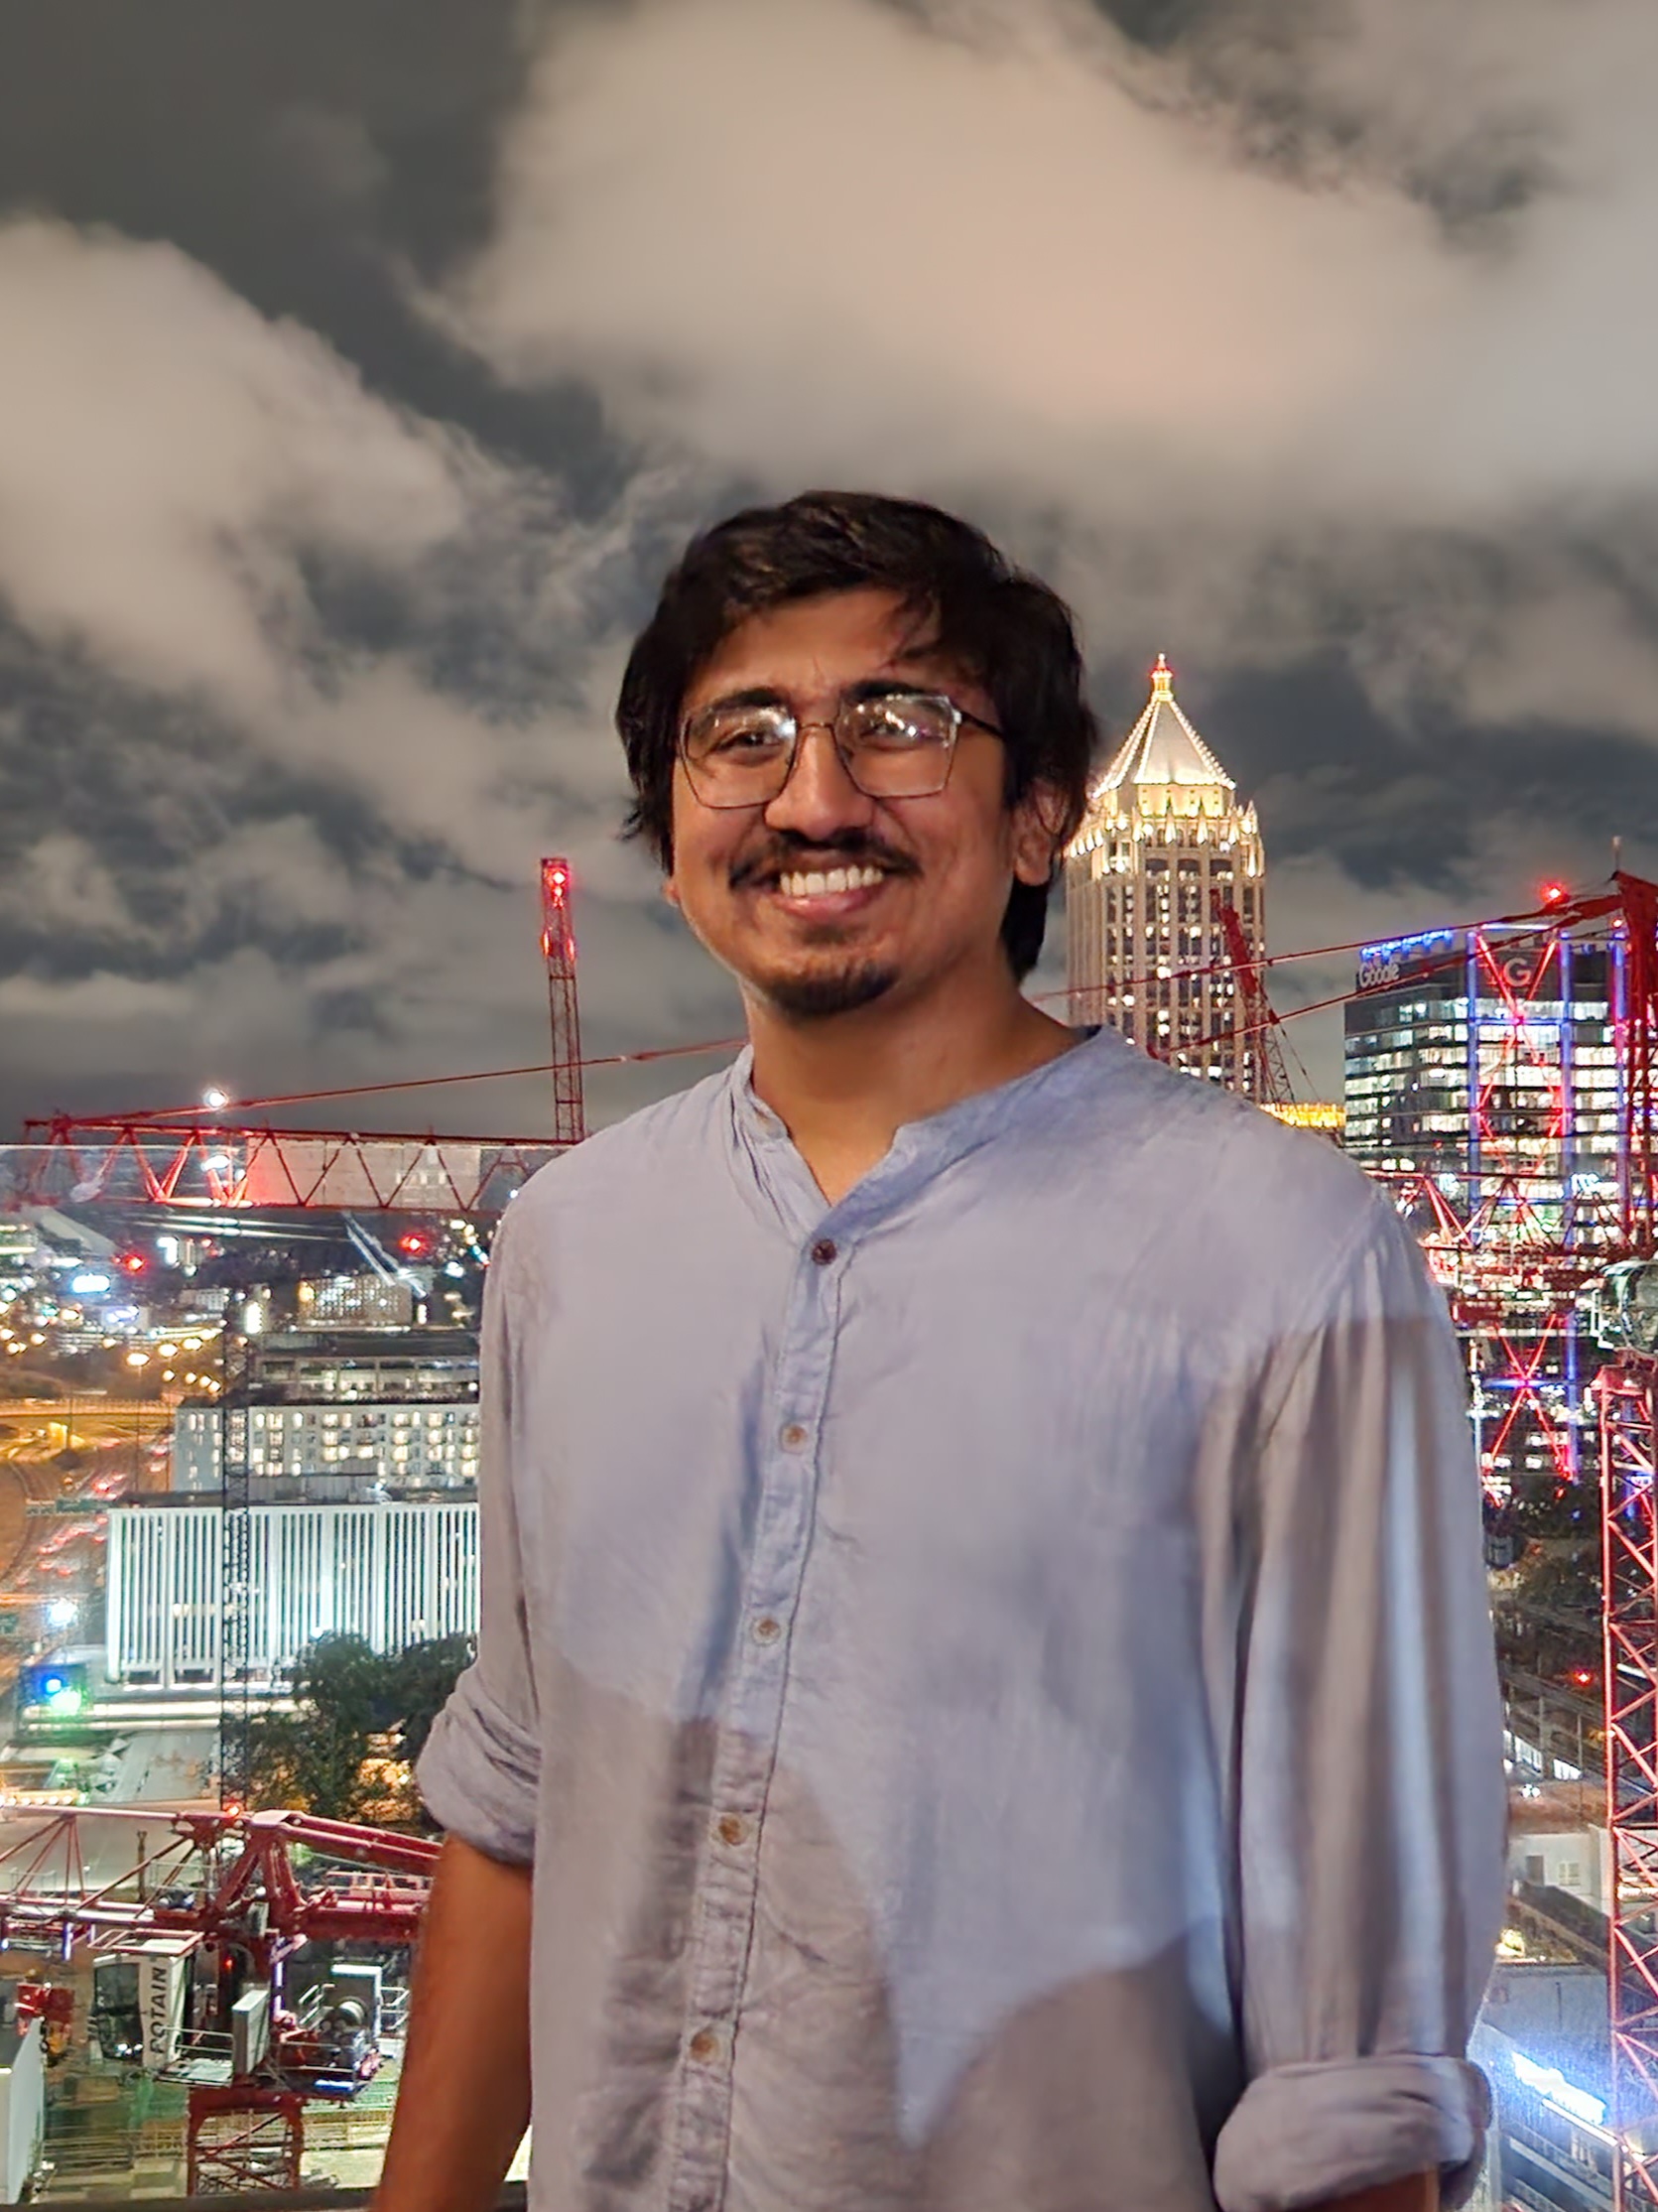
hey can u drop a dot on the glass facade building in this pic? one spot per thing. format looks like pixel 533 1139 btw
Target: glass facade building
pixel 1487 1057
pixel 1481 1071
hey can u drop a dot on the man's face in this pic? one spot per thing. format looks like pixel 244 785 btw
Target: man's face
pixel 757 885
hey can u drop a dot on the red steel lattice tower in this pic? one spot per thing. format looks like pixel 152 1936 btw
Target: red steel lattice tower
pixel 1539 1234
pixel 1627 1395
pixel 558 943
pixel 1501 1133
pixel 1630 1613
pixel 1259 1021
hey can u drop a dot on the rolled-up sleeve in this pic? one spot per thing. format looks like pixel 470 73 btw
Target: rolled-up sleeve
pixel 1370 1799
pixel 479 1772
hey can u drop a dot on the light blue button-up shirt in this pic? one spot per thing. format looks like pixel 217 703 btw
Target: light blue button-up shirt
pixel 993 1675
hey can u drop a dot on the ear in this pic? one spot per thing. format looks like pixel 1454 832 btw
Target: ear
pixel 670 892
pixel 1036 832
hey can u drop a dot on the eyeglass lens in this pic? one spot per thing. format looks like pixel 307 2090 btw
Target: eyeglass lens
pixel 893 748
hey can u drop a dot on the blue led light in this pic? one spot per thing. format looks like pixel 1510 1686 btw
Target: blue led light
pixel 1391 947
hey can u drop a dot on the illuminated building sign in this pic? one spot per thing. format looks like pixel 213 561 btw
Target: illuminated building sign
pixel 1385 964
pixel 1548 2083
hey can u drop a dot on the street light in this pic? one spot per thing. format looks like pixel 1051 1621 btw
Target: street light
pixel 213 1099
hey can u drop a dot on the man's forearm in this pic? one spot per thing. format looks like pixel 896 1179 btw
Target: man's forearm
pixel 463 2102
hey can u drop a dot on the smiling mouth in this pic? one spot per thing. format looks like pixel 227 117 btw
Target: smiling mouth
pixel 819 883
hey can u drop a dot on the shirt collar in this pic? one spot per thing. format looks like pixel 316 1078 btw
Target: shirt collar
pixel 920 1151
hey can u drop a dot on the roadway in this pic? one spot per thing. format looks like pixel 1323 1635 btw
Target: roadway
pixel 112 1434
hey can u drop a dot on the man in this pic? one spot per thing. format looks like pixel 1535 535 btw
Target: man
pixel 985 1699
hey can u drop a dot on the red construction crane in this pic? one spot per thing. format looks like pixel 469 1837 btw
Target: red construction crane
pixel 153 1887
pixel 1514 1226
pixel 1256 1015
pixel 558 943
pixel 143 1159
pixel 199 1159
pixel 1626 1395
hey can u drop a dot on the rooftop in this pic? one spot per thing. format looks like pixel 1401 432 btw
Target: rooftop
pixel 1163 747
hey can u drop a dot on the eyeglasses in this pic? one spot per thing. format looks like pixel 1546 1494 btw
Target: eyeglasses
pixel 893 745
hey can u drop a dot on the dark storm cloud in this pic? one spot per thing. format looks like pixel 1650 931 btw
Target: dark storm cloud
pixel 309 155
pixel 375 361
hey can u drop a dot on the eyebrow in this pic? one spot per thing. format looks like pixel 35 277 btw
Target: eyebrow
pixel 871 686
pixel 757 695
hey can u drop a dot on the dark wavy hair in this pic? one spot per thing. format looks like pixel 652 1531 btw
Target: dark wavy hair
pixel 1005 630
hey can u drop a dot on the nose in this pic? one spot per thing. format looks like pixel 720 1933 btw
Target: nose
pixel 819 799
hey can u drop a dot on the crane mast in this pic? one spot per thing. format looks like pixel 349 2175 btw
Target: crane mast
pixel 558 943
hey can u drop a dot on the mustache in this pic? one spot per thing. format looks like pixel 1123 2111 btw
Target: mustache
pixel 782 854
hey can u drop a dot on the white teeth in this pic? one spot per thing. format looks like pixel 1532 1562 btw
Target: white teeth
pixel 828 883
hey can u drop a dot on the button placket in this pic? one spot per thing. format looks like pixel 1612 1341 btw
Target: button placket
pixel 751 1724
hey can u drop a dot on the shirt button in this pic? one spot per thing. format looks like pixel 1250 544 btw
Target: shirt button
pixel 823 1251
pixel 732 1829
pixel 767 1629
pixel 792 1436
pixel 703 2045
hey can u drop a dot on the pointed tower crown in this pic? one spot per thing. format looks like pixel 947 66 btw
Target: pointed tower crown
pixel 1163 747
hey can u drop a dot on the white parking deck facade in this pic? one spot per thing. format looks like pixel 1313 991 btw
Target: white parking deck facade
pixel 393 1572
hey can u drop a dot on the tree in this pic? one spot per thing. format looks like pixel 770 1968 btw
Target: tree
pixel 424 1676
pixel 359 1720
pixel 314 1758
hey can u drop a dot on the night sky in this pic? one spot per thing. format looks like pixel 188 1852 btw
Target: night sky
pixel 362 366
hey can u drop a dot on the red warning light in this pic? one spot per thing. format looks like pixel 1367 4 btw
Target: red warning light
pixel 1553 895
pixel 133 1262
pixel 414 1244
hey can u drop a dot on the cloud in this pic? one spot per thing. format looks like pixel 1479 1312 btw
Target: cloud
pixel 1248 377
pixel 1314 900
pixel 62 885
pixel 884 238
pixel 300 687
pixel 168 457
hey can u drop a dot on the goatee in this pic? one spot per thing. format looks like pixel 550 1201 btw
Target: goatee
pixel 841 990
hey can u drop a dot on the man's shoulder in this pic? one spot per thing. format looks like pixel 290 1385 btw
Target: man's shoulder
pixel 658 1142
pixel 1203 1167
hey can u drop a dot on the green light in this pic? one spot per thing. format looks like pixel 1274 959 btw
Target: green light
pixel 64 1704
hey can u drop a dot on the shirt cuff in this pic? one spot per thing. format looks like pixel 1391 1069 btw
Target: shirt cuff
pixel 1304 2134
pixel 479 1773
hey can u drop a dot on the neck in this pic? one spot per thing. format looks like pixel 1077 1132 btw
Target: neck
pixel 844 1085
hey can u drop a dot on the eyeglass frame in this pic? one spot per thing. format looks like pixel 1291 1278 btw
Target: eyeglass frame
pixel 959 714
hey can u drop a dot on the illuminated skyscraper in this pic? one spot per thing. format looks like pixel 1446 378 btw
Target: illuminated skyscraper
pixel 1485 1061
pixel 1164 846
pixel 1489 1057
